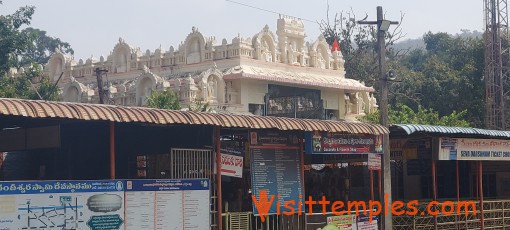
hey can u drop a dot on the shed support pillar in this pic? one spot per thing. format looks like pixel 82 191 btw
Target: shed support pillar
pixel 112 150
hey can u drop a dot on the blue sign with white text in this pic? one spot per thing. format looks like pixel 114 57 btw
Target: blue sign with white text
pixel 37 187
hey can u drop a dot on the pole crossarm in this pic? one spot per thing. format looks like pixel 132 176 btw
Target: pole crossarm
pixel 375 22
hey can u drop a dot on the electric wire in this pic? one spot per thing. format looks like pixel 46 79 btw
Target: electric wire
pixel 269 11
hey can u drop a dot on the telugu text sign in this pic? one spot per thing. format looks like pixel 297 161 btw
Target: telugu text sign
pixel 474 149
pixel 231 165
pixel 105 204
pixel 62 205
pixel 167 204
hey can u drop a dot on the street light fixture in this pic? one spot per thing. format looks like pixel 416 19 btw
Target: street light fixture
pixel 391 75
pixel 385 25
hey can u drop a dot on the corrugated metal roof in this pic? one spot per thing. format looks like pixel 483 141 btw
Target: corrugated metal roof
pixel 312 78
pixel 80 111
pixel 412 128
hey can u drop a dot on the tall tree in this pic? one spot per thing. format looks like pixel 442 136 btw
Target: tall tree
pixel 42 47
pixel 444 76
pixel 358 44
pixel 26 51
pixel 13 42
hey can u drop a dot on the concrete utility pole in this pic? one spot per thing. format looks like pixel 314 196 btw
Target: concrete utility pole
pixel 382 28
pixel 100 89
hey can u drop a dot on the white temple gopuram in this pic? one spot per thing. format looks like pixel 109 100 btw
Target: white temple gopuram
pixel 274 74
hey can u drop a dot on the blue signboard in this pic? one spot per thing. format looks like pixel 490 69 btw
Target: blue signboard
pixel 167 185
pixel 37 187
pixel 342 143
pixel 278 172
pixel 62 204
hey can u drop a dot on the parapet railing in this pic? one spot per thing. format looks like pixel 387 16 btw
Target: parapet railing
pixel 248 221
pixel 496 216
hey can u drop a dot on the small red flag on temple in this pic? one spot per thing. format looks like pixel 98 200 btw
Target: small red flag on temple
pixel 335 46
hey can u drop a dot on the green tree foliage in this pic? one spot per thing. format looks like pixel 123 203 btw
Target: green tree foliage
pixel 405 115
pixel 13 42
pixel 47 90
pixel 26 50
pixel 42 47
pixel 199 106
pixel 446 77
pixel 29 85
pixel 164 100
pixel 169 100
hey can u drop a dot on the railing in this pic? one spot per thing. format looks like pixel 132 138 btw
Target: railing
pixel 496 216
pixel 248 221
pixel 319 220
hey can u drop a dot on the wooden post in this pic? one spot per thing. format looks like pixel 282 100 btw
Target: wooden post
pixel 458 192
pixel 301 151
pixel 371 184
pixel 477 180
pixel 480 187
pixel 434 188
pixel 381 195
pixel 112 150
pixel 218 177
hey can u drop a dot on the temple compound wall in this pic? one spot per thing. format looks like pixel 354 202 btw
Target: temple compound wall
pixel 277 74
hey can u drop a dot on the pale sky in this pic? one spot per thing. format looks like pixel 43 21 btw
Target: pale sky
pixel 93 27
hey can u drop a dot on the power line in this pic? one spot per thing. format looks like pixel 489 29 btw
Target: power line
pixel 270 11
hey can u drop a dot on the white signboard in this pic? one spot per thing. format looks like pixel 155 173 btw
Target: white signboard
pixel 167 204
pixel 364 223
pixel 374 161
pixel 62 205
pixel 474 149
pixel 231 165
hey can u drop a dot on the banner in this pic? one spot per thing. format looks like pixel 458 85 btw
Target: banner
pixel 167 204
pixel 62 205
pixel 339 143
pixel 473 149
pixel 345 222
pixel 231 165
pixel 105 204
